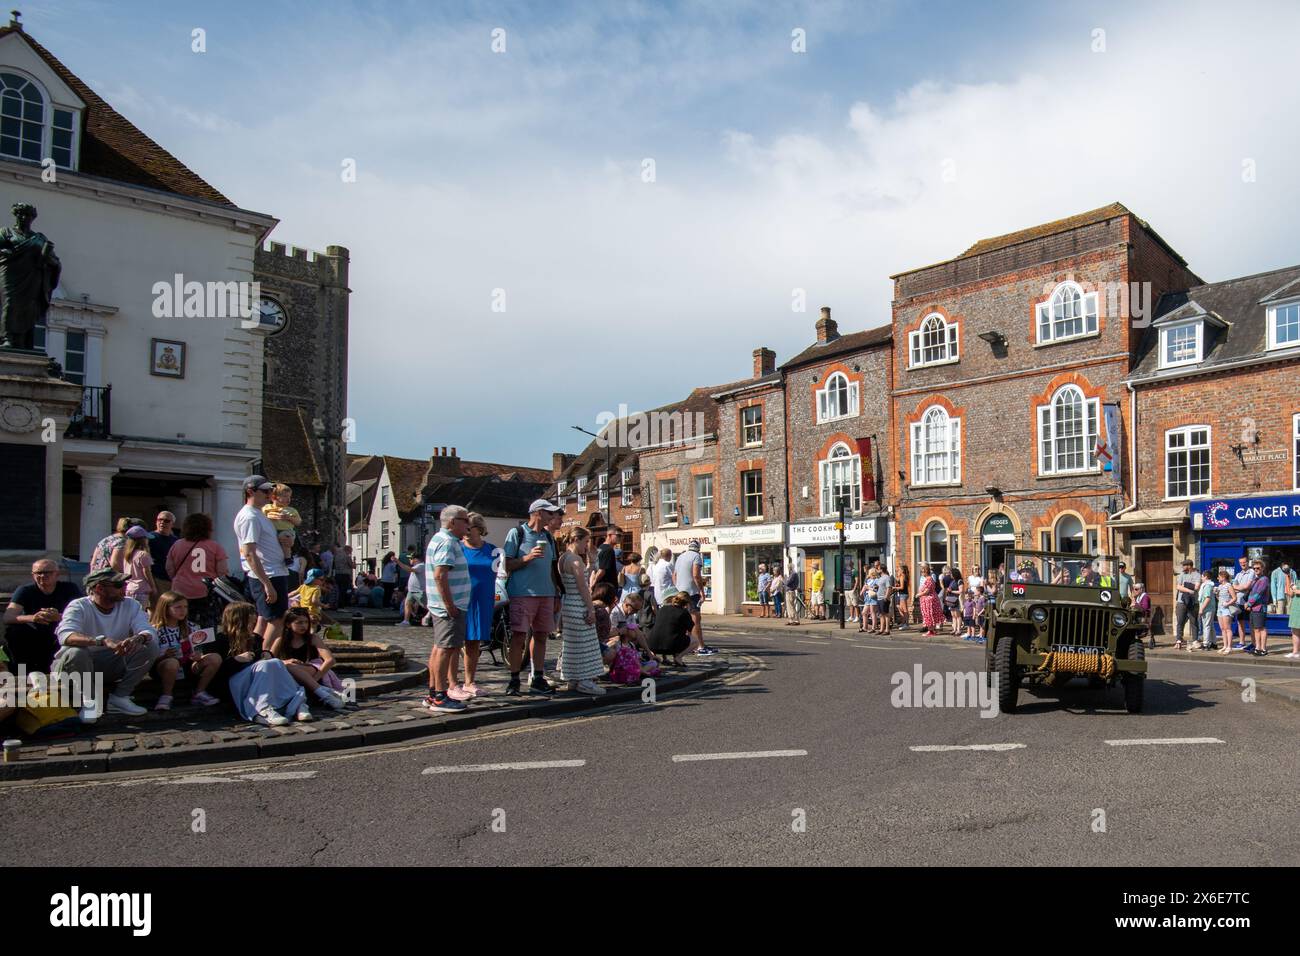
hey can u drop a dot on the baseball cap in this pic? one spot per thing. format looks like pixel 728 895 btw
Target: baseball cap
pixel 314 574
pixel 694 544
pixel 135 531
pixel 541 504
pixel 103 574
pixel 258 483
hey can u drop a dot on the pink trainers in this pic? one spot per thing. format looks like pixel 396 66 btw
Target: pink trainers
pixel 472 690
pixel 164 702
pixel 204 699
pixel 455 692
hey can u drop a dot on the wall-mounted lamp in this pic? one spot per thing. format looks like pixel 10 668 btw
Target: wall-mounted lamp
pixel 994 338
pixel 993 492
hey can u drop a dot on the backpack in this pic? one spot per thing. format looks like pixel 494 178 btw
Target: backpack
pixel 522 528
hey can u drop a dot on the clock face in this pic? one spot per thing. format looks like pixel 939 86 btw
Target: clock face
pixel 272 316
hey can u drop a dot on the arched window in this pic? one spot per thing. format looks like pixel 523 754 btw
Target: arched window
pixel 934 342
pixel 1069 535
pixel 936 545
pixel 841 477
pixel 26 130
pixel 837 399
pixel 1067 432
pixel 936 449
pixel 1068 313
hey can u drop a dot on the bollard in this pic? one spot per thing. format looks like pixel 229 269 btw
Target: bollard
pixel 358 625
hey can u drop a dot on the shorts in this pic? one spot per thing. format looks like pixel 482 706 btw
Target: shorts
pixel 818 598
pixel 449 633
pixel 763 598
pixel 418 597
pixel 533 612
pixel 275 611
pixel 696 599
pixel 1258 619
pixel 851 598
pixel 968 621
pixel 883 605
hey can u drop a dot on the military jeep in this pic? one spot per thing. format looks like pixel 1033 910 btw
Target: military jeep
pixel 1057 616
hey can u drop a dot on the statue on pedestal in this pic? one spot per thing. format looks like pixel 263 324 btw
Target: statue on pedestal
pixel 29 274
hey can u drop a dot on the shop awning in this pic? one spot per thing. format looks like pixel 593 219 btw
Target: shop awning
pixel 1150 518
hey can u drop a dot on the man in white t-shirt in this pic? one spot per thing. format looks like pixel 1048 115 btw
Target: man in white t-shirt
pixel 688 576
pixel 262 559
pixel 414 610
pixel 661 575
pixel 975 580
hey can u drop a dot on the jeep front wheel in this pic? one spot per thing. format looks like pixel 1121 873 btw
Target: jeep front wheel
pixel 1134 684
pixel 1004 665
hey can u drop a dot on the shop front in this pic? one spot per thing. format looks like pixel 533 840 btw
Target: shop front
pixel 1265 528
pixel 740 551
pixel 997 537
pixel 816 544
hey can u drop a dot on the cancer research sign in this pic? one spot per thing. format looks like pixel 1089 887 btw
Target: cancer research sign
pixel 1228 514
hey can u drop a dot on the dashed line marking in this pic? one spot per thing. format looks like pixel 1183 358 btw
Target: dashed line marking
pixel 739 755
pixel 944 748
pixel 1162 741
pixel 522 765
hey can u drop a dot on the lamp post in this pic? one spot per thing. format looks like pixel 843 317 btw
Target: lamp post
pixel 843 591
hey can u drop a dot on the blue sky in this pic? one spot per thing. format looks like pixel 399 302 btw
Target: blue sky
pixel 903 133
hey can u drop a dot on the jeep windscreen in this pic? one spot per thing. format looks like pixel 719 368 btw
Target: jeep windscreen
pixel 1082 570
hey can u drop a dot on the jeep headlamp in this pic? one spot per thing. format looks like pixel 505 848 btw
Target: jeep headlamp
pixel 1039 614
pixel 1120 620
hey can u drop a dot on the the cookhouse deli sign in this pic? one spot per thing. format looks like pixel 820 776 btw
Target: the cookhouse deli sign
pixel 824 532
pixel 1226 514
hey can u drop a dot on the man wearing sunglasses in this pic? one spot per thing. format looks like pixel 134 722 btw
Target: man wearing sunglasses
pixel 107 634
pixel 33 612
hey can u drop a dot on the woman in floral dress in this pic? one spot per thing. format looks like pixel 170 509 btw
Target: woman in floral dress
pixel 931 604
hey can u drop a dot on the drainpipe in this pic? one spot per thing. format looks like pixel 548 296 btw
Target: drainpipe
pixel 1132 467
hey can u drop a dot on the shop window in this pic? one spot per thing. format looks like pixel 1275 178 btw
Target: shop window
pixel 1295 432
pixel 768 557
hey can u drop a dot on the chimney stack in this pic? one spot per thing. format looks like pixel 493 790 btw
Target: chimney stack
pixel 559 462
pixel 827 330
pixel 453 453
pixel 764 362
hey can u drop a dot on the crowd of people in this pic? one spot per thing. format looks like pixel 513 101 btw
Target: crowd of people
pixel 616 621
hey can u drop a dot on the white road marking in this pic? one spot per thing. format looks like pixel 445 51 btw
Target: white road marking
pixel 741 755
pixel 944 748
pixel 900 647
pixel 523 765
pixel 815 643
pixel 1157 741
pixel 241 778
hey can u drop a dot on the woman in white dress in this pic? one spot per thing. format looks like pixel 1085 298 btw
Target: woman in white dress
pixel 580 661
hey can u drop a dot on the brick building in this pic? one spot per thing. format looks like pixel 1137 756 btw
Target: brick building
pixel 1217 392
pixel 304 314
pixel 837 414
pixel 1009 367
pixel 600 484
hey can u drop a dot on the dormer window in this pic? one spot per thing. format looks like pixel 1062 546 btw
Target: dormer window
pixel 1284 325
pixel 934 343
pixel 31 127
pixel 1182 344
pixel 838 399
pixel 1070 313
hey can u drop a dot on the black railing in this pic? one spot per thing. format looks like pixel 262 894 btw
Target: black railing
pixel 93 419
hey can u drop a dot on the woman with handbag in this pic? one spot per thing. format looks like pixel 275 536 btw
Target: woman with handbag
pixel 192 558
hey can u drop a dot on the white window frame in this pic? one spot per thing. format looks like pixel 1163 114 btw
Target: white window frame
pixel 1049 437
pixel 667 485
pixel 383 497
pixel 703 503
pixel 1046 317
pixel 1199 339
pixel 922 448
pixel 948 347
pixel 927 556
pixel 1273 343
pixel 47 123
pixel 1185 433
pixel 602 491
pixel 78 378
pixel 383 535
pixel 824 399
pixel 746 494
pixel 560 488
pixel 745 427
pixel 580 488
pixel 840 457
pixel 629 488
pixel 1295 442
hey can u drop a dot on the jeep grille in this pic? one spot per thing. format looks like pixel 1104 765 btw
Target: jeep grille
pixel 1078 626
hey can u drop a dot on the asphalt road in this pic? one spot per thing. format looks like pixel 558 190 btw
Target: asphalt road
pixel 838 781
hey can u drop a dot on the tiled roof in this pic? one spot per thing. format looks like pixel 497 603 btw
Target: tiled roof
pixel 113 148
pixel 1236 330
pixel 482 469
pixel 405 479
pixel 853 342
pixel 288 453
pixel 489 495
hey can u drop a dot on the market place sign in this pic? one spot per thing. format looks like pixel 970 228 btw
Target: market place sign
pixel 825 532
pixel 1226 514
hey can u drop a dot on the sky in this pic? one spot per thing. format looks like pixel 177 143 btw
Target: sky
pixel 622 200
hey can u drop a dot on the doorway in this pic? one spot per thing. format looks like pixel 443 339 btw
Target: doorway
pixel 995 554
pixel 1155 569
